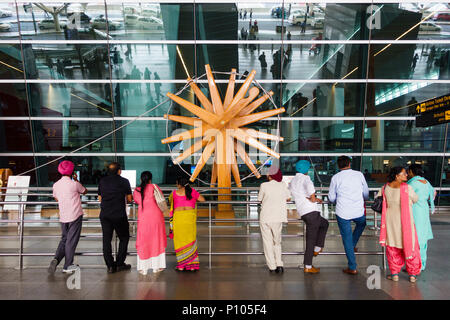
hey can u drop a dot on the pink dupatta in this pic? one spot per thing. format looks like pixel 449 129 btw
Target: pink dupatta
pixel 409 235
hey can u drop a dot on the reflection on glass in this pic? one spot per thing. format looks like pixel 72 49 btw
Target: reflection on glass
pixel 57 135
pixel 63 21
pixel 8 21
pixel 13 100
pixel 15 136
pixel 66 61
pixel 70 100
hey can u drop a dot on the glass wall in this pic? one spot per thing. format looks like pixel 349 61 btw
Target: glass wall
pixel 349 76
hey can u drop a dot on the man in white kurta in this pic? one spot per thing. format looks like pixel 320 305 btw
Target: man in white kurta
pixel 273 196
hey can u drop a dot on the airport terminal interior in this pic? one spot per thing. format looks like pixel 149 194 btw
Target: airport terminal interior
pixel 89 81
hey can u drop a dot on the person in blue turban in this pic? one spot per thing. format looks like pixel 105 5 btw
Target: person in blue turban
pixel 303 192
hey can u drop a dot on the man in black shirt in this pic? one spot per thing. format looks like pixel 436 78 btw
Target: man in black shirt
pixel 113 193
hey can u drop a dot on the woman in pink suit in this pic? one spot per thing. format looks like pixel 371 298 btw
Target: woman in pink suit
pixel 151 239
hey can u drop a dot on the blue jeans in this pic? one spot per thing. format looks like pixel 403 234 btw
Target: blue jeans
pixel 350 239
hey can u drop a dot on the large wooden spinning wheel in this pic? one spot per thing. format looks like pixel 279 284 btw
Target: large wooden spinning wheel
pixel 220 125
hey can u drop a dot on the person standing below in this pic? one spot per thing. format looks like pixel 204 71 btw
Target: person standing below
pixel 303 192
pixel 157 86
pixel 262 60
pixel 421 209
pixel 273 196
pixel 151 239
pixel 348 189
pixel 414 62
pixel 398 232
pixel 67 191
pixel 114 192
pixel 183 225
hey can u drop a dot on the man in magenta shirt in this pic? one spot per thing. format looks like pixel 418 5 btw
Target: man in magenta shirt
pixel 67 192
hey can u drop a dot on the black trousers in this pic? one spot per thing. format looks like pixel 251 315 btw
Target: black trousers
pixel 71 232
pixel 121 226
pixel 316 231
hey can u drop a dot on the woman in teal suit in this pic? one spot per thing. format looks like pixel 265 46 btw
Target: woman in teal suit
pixel 421 209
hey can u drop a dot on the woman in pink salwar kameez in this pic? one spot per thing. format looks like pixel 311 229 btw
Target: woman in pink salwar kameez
pixel 398 231
pixel 151 241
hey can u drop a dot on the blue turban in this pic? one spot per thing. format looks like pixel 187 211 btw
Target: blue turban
pixel 302 166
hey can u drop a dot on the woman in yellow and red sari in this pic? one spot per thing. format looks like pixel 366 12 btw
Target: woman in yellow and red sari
pixel 183 227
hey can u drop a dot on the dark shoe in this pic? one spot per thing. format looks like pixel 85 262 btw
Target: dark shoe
pixel 112 269
pixel 272 271
pixel 355 249
pixel 350 271
pixel 52 267
pixel 311 270
pixel 124 267
pixel 279 270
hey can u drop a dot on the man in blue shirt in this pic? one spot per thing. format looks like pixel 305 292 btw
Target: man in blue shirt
pixel 348 189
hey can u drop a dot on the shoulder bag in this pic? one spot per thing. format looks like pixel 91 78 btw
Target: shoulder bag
pixel 160 200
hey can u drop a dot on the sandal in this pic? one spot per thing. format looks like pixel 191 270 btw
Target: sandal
pixel 412 279
pixel 393 277
pixel 179 270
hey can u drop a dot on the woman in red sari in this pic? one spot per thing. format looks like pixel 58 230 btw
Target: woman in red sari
pixel 151 241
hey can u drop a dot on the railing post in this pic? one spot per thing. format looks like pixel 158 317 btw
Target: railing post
pixel 248 211
pixel 384 258
pixel 210 247
pixel 21 214
pixel 115 246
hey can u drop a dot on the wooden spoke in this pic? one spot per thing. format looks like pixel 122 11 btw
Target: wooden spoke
pixel 230 89
pixel 243 89
pixel 262 135
pixel 244 156
pixel 248 139
pixel 201 96
pixel 213 173
pixel 214 92
pixel 233 110
pixel 255 104
pixel 185 120
pixel 254 117
pixel 191 134
pixel 193 148
pixel 207 152
pixel 206 116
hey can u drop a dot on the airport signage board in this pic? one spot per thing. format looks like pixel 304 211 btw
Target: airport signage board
pixel 433 112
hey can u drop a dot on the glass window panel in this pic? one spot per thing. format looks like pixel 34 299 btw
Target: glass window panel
pixel 13 100
pixel 70 100
pixel 65 135
pixel 410 21
pixel 8 21
pixel 323 99
pixel 446 176
pixel 63 21
pixel 91 169
pixel 15 136
pixel 152 21
pixel 130 61
pixel 10 61
pixel 399 99
pixel 66 61
pixel 134 99
pixel 240 21
pixel 19 165
pixel 403 136
pixel 412 61
pixel 141 136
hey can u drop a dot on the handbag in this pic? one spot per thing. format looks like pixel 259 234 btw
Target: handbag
pixel 160 200
pixel 378 203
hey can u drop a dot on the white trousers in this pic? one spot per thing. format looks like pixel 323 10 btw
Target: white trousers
pixel 271 235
